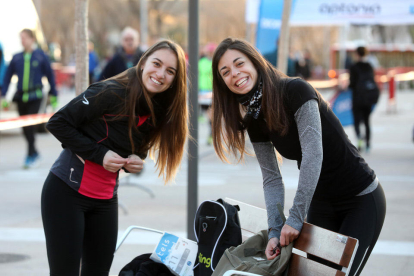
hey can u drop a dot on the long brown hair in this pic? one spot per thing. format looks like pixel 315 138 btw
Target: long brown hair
pixel 227 111
pixel 168 139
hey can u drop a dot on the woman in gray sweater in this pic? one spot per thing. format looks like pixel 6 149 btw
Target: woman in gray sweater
pixel 337 190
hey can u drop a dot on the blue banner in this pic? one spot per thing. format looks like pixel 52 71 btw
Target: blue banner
pixel 342 107
pixel 268 27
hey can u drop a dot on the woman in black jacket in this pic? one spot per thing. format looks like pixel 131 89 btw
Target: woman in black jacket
pixel 337 190
pixel 109 127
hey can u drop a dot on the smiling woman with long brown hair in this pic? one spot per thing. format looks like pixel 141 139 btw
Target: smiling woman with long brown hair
pixel 337 190
pixel 111 126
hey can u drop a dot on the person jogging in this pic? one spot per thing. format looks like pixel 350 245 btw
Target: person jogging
pixel 365 94
pixel 109 127
pixel 337 190
pixel 30 66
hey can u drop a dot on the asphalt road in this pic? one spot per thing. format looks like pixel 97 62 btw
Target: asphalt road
pixel 22 245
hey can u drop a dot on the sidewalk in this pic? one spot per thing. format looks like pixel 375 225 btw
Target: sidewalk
pixel 392 157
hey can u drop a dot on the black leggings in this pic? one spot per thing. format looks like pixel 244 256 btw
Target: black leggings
pixel 78 227
pixel 360 217
pixel 362 113
pixel 29 131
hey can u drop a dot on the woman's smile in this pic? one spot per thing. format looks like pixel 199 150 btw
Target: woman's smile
pixel 240 83
pixel 237 71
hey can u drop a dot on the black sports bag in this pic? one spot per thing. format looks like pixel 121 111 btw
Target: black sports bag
pixel 217 228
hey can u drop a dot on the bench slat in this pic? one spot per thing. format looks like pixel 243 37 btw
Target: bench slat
pixel 328 245
pixel 300 266
pixel 252 219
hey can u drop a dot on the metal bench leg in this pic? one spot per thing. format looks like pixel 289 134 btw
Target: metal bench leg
pixel 132 227
pixel 235 272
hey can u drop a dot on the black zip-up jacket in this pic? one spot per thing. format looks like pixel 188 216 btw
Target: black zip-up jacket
pixel 86 130
pixel 358 68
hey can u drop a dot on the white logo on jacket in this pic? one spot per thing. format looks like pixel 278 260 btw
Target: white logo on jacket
pixel 85 101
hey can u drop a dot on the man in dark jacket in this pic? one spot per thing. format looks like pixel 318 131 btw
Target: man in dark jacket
pixel 30 66
pixel 126 57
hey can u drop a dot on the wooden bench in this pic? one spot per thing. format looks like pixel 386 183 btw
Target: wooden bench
pixel 335 248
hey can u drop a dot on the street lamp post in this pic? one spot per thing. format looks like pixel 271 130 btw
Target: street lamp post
pixel 192 185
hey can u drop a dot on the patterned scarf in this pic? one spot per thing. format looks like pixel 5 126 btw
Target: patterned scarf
pixel 253 101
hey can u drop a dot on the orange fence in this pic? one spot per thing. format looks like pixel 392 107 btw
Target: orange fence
pixel 382 76
pixel 26 120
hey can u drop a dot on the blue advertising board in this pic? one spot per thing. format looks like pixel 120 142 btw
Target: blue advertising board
pixel 342 107
pixel 268 27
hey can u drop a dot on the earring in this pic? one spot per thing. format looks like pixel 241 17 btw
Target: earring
pixel 142 69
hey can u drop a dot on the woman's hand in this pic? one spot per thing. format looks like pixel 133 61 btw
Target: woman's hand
pixel 113 162
pixel 134 164
pixel 288 235
pixel 270 252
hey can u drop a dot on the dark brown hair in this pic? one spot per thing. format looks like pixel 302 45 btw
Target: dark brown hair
pixel 168 139
pixel 227 112
pixel 362 51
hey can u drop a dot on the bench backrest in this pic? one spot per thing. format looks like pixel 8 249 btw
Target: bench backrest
pixel 313 240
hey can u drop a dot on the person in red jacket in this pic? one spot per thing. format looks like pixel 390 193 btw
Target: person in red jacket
pixel 109 127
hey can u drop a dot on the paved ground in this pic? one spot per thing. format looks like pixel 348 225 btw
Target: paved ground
pixel 21 233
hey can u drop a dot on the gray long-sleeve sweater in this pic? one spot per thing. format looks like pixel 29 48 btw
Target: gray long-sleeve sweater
pixel 308 122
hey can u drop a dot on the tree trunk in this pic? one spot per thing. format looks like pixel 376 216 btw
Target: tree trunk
pixel 38 6
pixel 81 42
pixel 283 47
pixel 144 23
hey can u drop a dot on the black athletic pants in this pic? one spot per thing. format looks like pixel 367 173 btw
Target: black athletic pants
pixel 78 227
pixel 29 131
pixel 360 217
pixel 362 114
